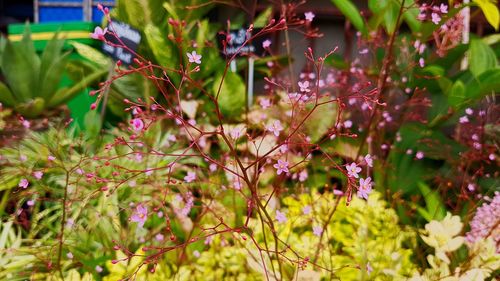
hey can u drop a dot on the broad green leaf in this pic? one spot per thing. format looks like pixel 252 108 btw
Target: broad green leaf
pixel 490 11
pixel 160 47
pixel 321 120
pixel 18 72
pixel 487 83
pixel 457 94
pixel 232 95
pixel 350 11
pixel 49 82
pixel 410 16
pixel 481 57
pixel 91 54
pixel 6 96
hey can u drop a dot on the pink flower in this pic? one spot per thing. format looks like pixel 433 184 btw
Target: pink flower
pixel 306 210
pixel 31 203
pixel 281 166
pixel 338 192
pixel 265 103
pixel 317 230
pixel 193 57
pixel 235 133
pixel 191 176
pixel 23 183
pixel 471 187
pixel 275 128
pixel 369 160
pixel 99 33
pixel 98 269
pixel 443 8
pixel 303 176
pixel 266 43
pixel 140 215
pixel 159 237
pixel 463 120
pixel 353 170
pixel 304 86
pixel 26 124
pixel 419 155
pixel 51 158
pixel 435 18
pixel 309 16
pixel 421 62
pixel 38 175
pixel 69 255
pixel 369 268
pixel 469 111
pixel 348 124
pixel 365 187
pixel 280 217
pixel 138 124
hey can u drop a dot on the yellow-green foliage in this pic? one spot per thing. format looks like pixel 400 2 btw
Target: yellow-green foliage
pixel 361 233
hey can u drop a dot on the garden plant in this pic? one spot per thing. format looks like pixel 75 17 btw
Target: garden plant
pixel 382 165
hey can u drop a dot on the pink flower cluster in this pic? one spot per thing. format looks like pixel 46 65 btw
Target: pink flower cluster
pixel 486 222
pixel 436 12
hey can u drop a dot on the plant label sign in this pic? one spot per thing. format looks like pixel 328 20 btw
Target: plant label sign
pixel 125 35
pixel 236 43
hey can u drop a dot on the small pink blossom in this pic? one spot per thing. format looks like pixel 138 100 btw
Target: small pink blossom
pixel 159 237
pixel 31 203
pixel 137 124
pixel 348 124
pixel 26 124
pixel 307 210
pixel 266 43
pixel 369 268
pixel 23 183
pixel 443 8
pixel 309 16
pixel 303 176
pixel 369 160
pixel 304 86
pixel 338 192
pixel 421 62
pixel 98 269
pixel 23 158
pixel 353 170
pixel 196 253
pixel 265 103
pixel 280 217
pixel 69 255
pixel 435 18
pixel 235 133
pixel 140 215
pixel 99 33
pixel 471 187
pixel 365 187
pixel 491 156
pixel 193 57
pixel 463 120
pixel 38 175
pixel 419 155
pixel 317 230
pixel 191 176
pixel 275 128
pixel 281 167
pixel 469 111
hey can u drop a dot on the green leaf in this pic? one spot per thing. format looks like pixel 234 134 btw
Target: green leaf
pixel 435 209
pixel 321 120
pixel 91 54
pixel 232 94
pixel 263 18
pixel 6 96
pixel 481 57
pixel 18 72
pixel 457 94
pixel 161 49
pixel 350 11
pixel 490 11
pixel 410 16
pixel 32 108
